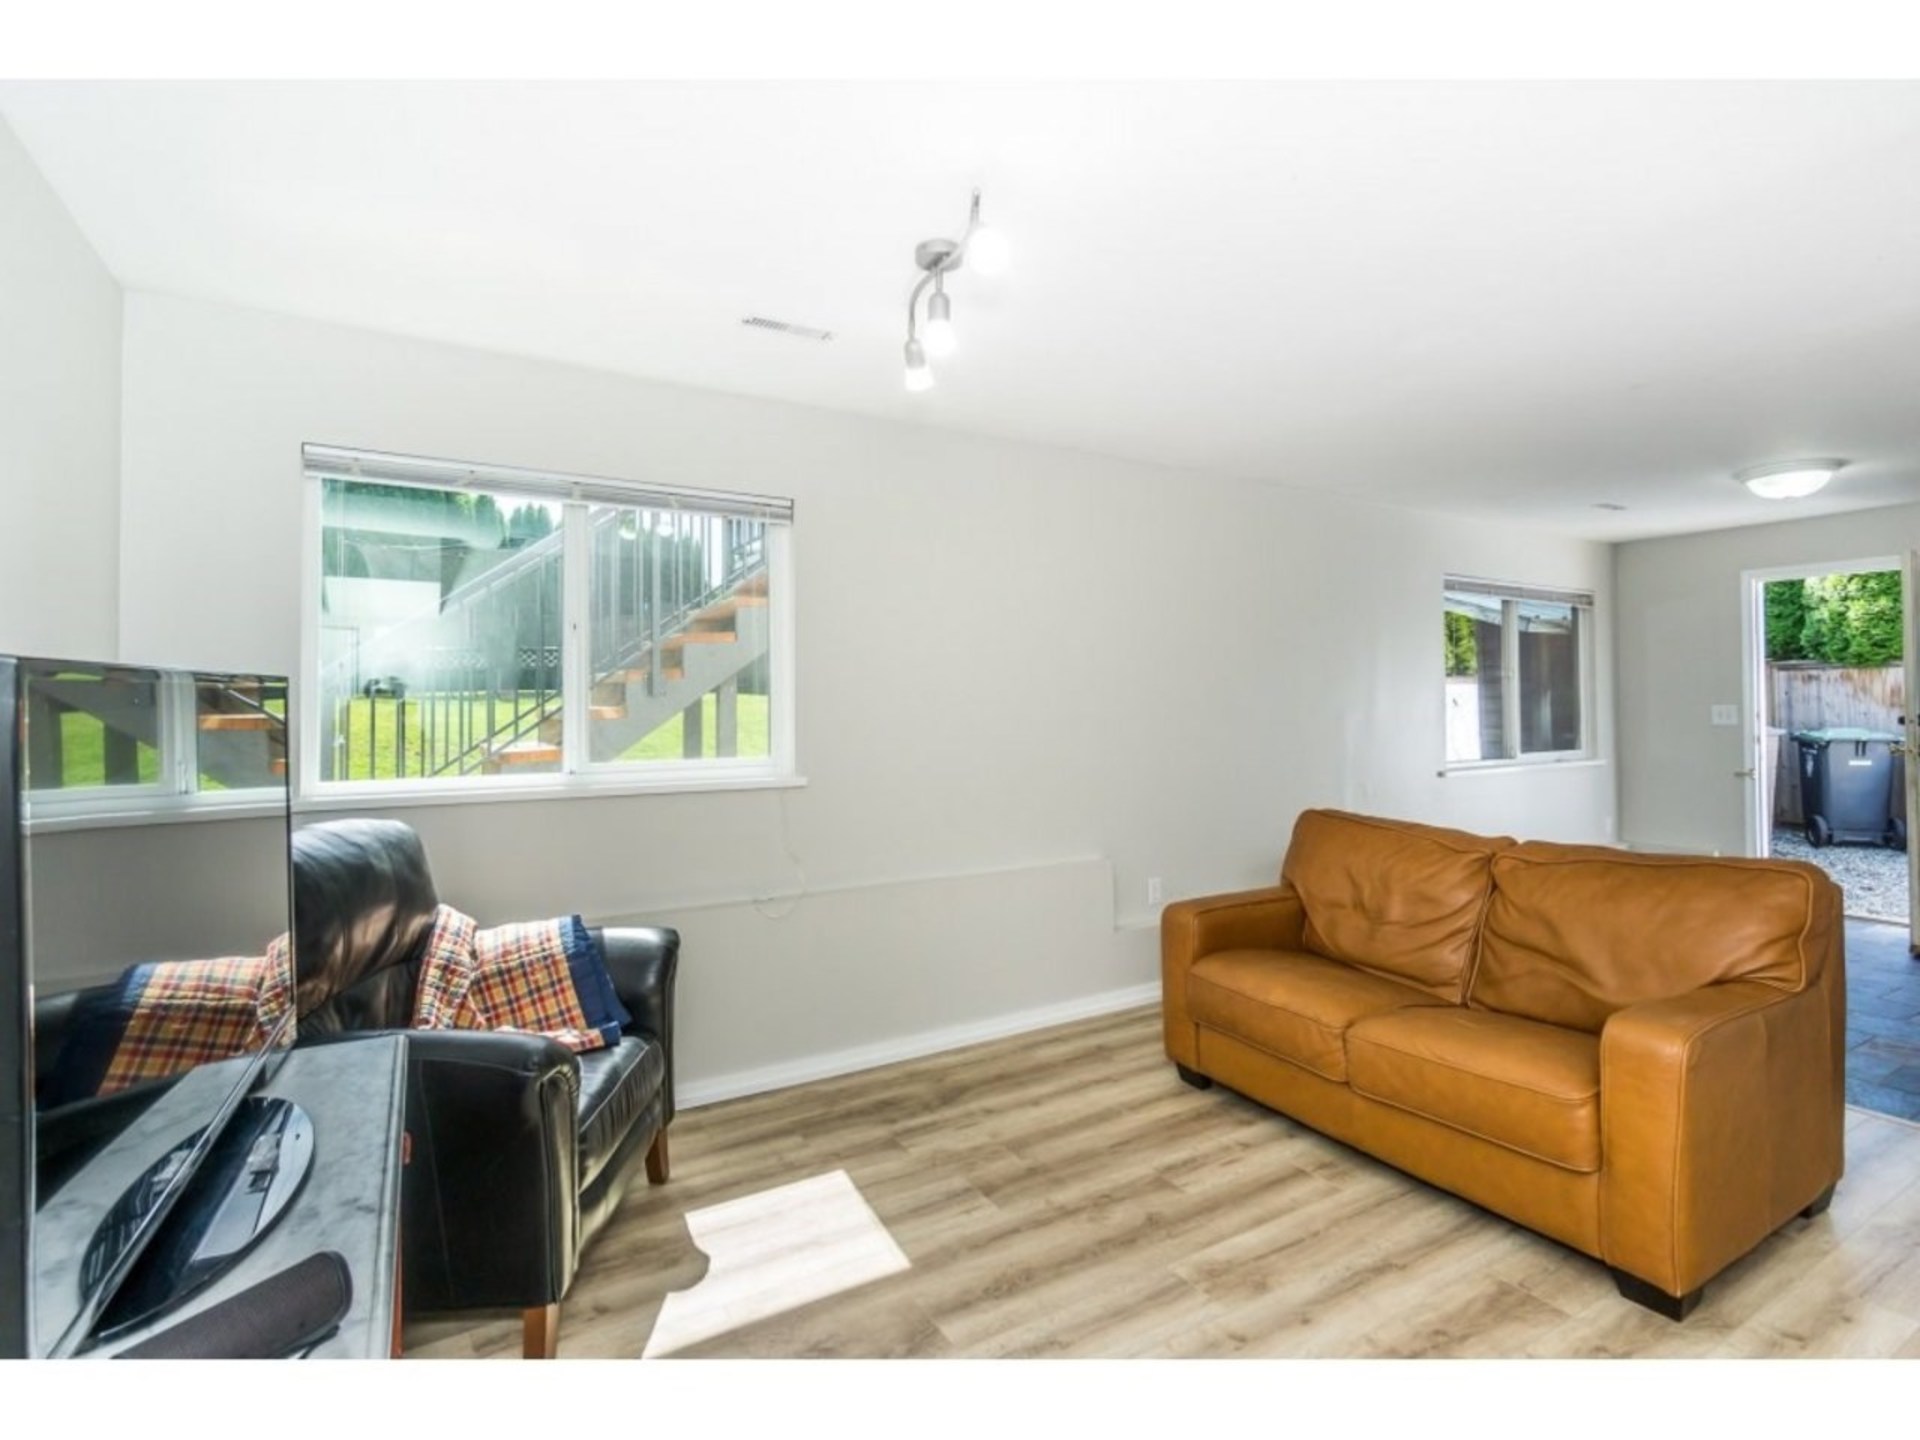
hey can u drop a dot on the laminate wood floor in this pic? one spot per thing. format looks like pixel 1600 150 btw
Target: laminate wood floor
pixel 1063 1194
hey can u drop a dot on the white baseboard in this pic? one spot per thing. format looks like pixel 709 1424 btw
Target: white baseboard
pixel 909 1047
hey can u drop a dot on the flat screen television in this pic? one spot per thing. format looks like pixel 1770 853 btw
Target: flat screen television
pixel 145 990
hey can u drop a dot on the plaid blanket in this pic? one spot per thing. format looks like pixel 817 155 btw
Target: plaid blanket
pixel 163 1017
pixel 546 976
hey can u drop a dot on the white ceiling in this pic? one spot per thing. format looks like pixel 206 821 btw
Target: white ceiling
pixel 1506 298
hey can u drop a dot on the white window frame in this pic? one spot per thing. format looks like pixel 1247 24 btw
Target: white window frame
pixel 174 795
pixel 1511 595
pixel 578 775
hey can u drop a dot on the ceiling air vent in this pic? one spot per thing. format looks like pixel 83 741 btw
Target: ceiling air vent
pixel 782 327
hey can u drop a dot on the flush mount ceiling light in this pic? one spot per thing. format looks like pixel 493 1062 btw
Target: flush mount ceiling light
pixel 937 259
pixel 1788 479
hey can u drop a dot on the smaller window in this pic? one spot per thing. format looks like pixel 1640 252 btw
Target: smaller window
pixel 1517 667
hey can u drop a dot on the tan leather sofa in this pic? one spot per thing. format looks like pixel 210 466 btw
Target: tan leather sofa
pixel 1641 1056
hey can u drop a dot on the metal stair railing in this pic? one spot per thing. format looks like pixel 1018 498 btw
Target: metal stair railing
pixel 649 604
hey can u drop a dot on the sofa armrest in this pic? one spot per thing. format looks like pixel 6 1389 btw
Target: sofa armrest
pixel 490 1203
pixel 1266 919
pixel 1722 1113
pixel 643 961
pixel 53 1018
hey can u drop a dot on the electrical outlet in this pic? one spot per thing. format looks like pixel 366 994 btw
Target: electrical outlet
pixel 1726 714
pixel 1154 892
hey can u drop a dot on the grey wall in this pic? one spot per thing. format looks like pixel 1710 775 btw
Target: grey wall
pixel 1677 609
pixel 59 425
pixel 1009 658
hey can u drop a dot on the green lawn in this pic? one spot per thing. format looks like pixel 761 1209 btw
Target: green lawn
pixel 664 743
pixel 379 760
pixel 83 755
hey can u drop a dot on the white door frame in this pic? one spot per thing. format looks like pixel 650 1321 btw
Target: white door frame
pixel 1910 744
pixel 1757 786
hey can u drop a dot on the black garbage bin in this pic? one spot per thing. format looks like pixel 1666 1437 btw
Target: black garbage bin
pixel 1846 786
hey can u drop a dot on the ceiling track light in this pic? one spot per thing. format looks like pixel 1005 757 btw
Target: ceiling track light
pixel 1788 479
pixel 937 259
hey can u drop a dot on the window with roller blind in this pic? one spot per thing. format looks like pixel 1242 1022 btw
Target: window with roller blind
pixel 1518 673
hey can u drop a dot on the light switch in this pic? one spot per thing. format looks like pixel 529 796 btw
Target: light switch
pixel 1726 714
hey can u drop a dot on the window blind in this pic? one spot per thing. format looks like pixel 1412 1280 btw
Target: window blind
pixel 1500 590
pixel 329 462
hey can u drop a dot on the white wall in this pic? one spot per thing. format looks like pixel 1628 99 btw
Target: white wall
pixel 1677 609
pixel 59 425
pixel 1009 657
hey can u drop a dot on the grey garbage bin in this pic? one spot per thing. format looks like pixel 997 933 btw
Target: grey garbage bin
pixel 1846 786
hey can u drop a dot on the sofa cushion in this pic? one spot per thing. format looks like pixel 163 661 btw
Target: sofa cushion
pixel 1533 1088
pixel 363 902
pixel 1575 933
pixel 1400 899
pixel 1290 1004
pixel 616 1087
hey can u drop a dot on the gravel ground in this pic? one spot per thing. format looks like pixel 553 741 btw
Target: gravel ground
pixel 1873 877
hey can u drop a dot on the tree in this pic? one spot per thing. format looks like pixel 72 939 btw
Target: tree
pixel 529 523
pixel 1853 619
pixel 1786 611
pixel 1462 652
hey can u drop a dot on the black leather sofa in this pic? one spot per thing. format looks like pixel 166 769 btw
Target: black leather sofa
pixel 521 1150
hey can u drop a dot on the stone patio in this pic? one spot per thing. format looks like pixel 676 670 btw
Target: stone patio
pixel 1873 877
pixel 1883 979
pixel 1883 1020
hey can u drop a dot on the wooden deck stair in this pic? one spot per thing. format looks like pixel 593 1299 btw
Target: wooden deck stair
pixel 240 744
pixel 237 720
pixel 723 611
pixel 554 726
pixel 519 754
pixel 741 614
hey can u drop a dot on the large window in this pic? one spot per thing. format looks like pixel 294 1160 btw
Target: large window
pixel 475 626
pixel 1517 667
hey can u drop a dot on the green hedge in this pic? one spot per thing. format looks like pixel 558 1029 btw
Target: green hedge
pixel 1836 619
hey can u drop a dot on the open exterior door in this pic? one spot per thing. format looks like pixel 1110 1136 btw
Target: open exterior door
pixel 1910 745
pixel 1756 779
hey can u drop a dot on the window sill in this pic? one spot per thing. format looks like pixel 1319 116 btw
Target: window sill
pixel 1516 767
pixel 387 797
pixel 122 818
pixel 377 796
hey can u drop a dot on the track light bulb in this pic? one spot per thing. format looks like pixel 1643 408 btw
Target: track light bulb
pixel 987 251
pixel 942 339
pixel 919 373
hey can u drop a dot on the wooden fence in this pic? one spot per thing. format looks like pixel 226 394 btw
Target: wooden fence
pixel 1810 696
